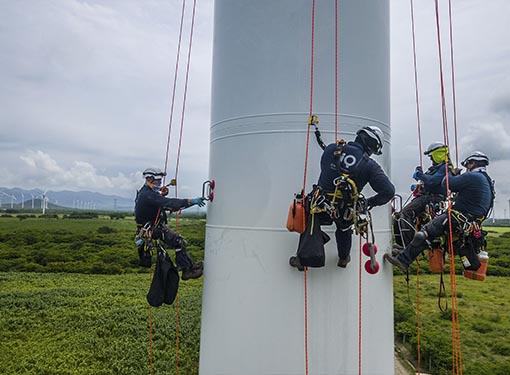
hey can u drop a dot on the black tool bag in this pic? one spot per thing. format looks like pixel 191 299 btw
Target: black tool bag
pixel 469 248
pixel 165 282
pixel 311 244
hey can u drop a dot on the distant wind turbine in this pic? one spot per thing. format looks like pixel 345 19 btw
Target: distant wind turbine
pixel 44 202
pixel 9 196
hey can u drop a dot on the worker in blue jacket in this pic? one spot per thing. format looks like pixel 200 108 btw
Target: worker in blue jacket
pixel 428 191
pixel 353 160
pixel 474 200
pixel 150 212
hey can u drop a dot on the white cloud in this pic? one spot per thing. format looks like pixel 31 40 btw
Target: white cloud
pixel 40 170
pixel 491 138
pixel 87 84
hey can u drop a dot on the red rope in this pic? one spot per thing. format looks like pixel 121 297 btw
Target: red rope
pixel 178 156
pixel 304 180
pixel 177 172
pixel 418 316
pixel 441 77
pixel 177 334
pixel 454 101
pixel 174 88
pixel 185 92
pixel 306 319
pixel 359 308
pixel 311 95
pixel 336 70
pixel 416 84
pixel 312 57
pixel 456 341
pixel 150 328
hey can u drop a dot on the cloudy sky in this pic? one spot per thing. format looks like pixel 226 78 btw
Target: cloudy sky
pixel 85 91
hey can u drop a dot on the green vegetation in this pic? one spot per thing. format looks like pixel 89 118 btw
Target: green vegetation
pixel 82 245
pixel 82 310
pixel 93 324
pixel 484 316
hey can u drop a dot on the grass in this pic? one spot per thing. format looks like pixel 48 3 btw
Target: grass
pixel 84 311
pixel 91 246
pixel 484 316
pixel 93 324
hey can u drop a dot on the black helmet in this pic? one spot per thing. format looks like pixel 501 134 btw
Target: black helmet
pixel 155 173
pixel 372 138
pixel 479 157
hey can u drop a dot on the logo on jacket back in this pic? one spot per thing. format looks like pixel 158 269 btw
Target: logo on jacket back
pixel 348 159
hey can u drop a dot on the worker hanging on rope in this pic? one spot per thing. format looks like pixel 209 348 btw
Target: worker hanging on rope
pixel 473 202
pixel 150 215
pixel 345 170
pixel 428 194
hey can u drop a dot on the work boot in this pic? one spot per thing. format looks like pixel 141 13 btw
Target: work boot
pixel 396 262
pixel 397 249
pixel 294 262
pixel 342 263
pixel 194 272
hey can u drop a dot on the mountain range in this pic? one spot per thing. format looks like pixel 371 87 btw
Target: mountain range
pixel 79 200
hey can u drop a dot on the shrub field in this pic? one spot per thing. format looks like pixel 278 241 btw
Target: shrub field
pixel 72 301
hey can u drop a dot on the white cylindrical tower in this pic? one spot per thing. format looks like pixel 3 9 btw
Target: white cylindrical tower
pixel 253 301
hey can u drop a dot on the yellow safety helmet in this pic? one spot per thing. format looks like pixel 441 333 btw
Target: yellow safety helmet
pixel 438 152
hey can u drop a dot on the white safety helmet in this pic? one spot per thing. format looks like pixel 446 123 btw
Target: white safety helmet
pixel 155 173
pixel 479 157
pixel 372 137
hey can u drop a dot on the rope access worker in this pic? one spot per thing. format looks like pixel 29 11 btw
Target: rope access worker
pixel 473 202
pixel 428 192
pixel 342 164
pixel 150 206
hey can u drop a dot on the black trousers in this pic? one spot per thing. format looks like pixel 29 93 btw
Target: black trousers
pixel 437 227
pixel 174 241
pixel 343 233
pixel 405 226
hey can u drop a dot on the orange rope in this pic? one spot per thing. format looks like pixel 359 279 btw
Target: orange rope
pixel 177 334
pixel 418 312
pixel 454 101
pixel 311 96
pixel 174 88
pixel 418 316
pixel 150 327
pixel 306 319
pixel 359 308
pixel 416 85
pixel 304 181
pixel 456 341
pixel 185 90
pixel 336 70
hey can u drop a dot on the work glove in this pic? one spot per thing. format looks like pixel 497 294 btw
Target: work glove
pixel 457 171
pixel 418 173
pixel 200 202
pixel 164 191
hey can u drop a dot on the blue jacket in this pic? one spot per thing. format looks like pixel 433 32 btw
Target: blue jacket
pixel 433 178
pixel 361 169
pixel 148 202
pixel 474 193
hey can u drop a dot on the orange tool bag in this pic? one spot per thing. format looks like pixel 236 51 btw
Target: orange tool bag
pixel 296 219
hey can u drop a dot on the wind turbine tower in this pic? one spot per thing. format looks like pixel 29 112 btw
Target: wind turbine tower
pixel 253 310
pixel 44 202
pixel 13 198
